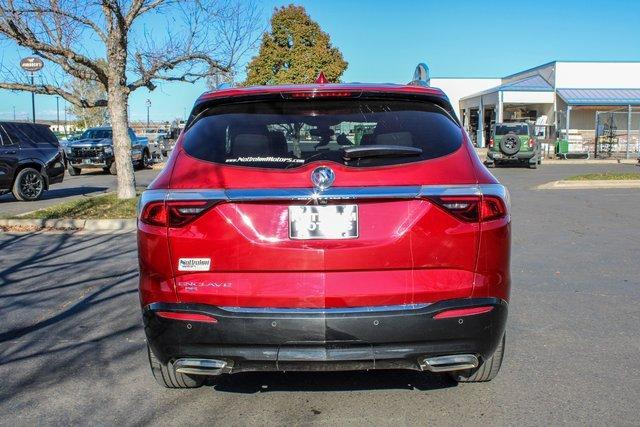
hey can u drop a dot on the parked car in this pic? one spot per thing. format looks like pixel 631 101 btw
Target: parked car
pixel 513 142
pixel 274 240
pixel 168 140
pixel 30 161
pixel 73 136
pixel 154 133
pixel 94 149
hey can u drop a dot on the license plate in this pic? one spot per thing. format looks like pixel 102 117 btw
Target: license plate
pixel 87 161
pixel 323 222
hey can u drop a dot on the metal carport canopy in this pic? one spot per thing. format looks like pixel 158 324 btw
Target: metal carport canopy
pixel 620 97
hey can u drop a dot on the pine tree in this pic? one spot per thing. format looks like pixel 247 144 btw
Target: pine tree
pixel 296 50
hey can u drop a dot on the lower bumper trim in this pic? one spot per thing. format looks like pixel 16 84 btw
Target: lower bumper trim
pixel 330 340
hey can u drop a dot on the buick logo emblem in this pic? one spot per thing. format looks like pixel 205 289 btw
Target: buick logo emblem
pixel 322 177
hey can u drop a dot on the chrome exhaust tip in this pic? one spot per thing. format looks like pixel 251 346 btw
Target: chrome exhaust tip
pixel 201 366
pixel 454 362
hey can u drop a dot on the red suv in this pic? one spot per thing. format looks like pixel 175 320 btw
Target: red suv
pixel 324 227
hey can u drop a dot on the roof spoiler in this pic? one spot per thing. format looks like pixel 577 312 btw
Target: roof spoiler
pixel 421 76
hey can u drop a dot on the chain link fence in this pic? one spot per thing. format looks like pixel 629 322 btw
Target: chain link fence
pixel 616 134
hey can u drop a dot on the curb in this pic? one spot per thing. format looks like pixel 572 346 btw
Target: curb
pixel 94 225
pixel 588 185
pixel 589 162
pixel 482 153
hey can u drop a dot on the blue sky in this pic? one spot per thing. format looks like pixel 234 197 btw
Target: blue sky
pixel 384 40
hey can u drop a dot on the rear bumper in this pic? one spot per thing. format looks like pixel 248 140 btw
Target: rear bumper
pixel 493 156
pixel 90 162
pixel 54 171
pixel 334 339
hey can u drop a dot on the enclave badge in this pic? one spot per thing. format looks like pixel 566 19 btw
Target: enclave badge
pixel 322 177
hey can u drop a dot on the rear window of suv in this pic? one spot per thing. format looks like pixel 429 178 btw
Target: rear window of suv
pixel 29 134
pixel 517 129
pixel 289 133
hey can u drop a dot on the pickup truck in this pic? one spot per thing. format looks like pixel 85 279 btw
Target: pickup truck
pixel 94 150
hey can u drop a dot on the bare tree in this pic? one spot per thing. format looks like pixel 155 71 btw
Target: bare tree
pixel 91 91
pixel 197 39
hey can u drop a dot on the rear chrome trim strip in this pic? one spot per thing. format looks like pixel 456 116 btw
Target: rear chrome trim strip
pixel 333 193
pixel 341 310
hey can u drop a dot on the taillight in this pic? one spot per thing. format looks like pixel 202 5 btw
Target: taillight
pixel 491 143
pixel 154 213
pixel 173 213
pixel 491 208
pixel 464 208
pixel 473 208
pixel 181 213
pixel 532 143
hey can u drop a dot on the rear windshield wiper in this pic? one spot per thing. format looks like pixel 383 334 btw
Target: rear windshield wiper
pixel 379 151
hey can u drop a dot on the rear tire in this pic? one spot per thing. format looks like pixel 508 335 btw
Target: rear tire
pixel 533 165
pixel 487 370
pixel 112 168
pixel 74 171
pixel 28 185
pixel 167 377
pixel 145 161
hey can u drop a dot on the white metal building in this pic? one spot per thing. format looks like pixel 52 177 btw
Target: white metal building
pixel 578 101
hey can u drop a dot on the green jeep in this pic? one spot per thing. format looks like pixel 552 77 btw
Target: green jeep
pixel 513 142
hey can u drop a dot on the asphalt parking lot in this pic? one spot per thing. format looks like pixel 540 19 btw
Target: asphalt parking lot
pixel 72 348
pixel 90 182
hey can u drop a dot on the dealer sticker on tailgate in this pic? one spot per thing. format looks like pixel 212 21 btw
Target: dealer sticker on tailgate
pixel 194 264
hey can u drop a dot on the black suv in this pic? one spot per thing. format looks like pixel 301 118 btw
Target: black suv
pixel 30 160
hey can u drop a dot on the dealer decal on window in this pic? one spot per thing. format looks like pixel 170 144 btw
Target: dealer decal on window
pixel 265 159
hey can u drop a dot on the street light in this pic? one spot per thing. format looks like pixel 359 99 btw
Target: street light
pixel 65 117
pixel 148 107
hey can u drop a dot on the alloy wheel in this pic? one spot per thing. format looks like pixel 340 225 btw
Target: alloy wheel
pixel 31 185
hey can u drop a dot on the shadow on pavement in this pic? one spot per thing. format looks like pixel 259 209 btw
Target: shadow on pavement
pixel 69 302
pixel 72 344
pixel 55 193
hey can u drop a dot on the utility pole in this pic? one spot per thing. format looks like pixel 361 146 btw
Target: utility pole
pixel 65 117
pixel 628 130
pixel 14 113
pixel 58 113
pixel 148 107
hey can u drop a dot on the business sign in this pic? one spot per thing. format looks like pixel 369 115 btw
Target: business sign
pixel 31 64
